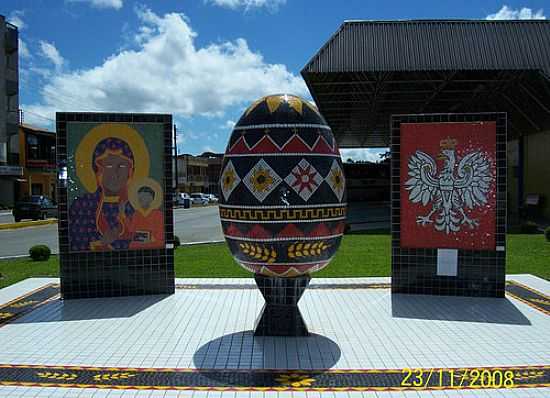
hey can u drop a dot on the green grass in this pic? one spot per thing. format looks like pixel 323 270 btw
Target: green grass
pixel 15 270
pixel 359 255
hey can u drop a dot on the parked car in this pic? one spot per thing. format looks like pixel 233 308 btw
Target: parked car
pixel 183 199
pixel 198 198
pixel 35 207
pixel 180 198
pixel 212 198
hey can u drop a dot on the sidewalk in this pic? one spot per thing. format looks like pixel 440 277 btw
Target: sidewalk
pixel 364 340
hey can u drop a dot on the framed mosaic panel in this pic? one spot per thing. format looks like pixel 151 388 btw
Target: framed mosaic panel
pixel 449 204
pixel 115 204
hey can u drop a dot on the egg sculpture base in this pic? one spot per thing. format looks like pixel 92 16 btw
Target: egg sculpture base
pixel 281 315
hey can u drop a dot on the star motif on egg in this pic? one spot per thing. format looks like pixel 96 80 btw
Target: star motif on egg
pixel 273 103
pixel 304 179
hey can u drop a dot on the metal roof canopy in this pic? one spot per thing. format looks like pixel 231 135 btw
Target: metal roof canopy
pixel 369 70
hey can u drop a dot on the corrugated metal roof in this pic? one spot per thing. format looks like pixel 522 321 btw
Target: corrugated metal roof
pixel 376 46
pixel 36 129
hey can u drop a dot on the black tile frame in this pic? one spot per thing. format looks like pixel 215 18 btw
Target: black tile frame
pixel 480 272
pixel 121 272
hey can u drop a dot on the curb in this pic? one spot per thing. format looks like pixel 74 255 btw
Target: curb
pixel 205 242
pixel 15 256
pixel 26 224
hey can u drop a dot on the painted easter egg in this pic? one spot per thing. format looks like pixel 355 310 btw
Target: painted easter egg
pixel 283 193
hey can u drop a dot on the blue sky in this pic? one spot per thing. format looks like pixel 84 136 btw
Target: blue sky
pixel 203 61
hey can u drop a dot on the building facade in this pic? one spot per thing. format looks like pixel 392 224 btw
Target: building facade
pixel 37 159
pixel 192 174
pixel 213 171
pixel 10 170
pixel 199 173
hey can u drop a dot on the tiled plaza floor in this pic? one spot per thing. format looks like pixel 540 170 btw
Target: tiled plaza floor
pixel 205 331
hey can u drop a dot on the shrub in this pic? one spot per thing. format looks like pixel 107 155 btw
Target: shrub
pixel 40 252
pixel 177 242
pixel 547 233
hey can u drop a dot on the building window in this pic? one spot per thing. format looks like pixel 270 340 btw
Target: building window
pixel 36 189
pixel 40 148
pixel 32 147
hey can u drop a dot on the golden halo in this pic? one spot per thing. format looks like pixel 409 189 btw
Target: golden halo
pixel 86 147
pixel 133 189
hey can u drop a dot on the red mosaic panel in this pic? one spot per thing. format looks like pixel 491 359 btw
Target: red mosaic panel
pixel 448 185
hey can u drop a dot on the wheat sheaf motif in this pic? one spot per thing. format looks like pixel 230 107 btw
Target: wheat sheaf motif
pixel 259 252
pixel 307 249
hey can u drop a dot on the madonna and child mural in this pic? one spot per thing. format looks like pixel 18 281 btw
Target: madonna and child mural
pixel 115 186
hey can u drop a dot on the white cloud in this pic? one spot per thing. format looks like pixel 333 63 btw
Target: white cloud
pixel 248 4
pixel 168 73
pixel 24 50
pixel 15 18
pixel 508 13
pixel 49 51
pixel 116 4
pixel 362 154
pixel 228 125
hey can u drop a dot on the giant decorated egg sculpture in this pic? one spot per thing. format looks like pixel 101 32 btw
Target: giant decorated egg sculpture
pixel 283 193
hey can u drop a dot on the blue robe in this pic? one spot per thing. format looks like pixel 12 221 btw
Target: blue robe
pixel 83 230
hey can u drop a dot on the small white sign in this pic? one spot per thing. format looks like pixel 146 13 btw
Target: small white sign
pixel 169 245
pixel 447 262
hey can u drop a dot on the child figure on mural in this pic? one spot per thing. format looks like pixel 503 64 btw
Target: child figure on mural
pixel 148 219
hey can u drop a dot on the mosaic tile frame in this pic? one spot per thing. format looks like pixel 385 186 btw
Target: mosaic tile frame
pixel 121 272
pixel 481 273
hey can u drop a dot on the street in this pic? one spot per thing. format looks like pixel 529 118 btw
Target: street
pixel 6 217
pixel 198 224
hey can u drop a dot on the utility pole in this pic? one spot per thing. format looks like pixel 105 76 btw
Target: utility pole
pixel 176 157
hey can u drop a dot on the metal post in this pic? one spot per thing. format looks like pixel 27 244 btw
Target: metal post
pixel 521 176
pixel 176 157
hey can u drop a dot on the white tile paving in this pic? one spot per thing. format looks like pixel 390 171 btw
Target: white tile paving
pixel 197 328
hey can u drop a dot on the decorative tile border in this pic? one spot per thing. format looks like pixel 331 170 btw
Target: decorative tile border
pixel 278 380
pixel 28 302
pixel 275 380
pixel 533 298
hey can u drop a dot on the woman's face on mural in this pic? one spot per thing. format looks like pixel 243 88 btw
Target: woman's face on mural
pixel 116 172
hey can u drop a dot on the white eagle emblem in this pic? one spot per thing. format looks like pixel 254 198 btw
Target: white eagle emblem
pixel 450 192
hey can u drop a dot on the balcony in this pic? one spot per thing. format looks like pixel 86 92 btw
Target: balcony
pixel 42 164
pixel 11 171
pixel 193 178
pixel 12 127
pixel 11 38
pixel 12 87
pixel 11 74
pixel 13 118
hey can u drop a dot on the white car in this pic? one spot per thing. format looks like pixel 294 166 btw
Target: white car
pixel 198 198
pixel 212 198
pixel 181 197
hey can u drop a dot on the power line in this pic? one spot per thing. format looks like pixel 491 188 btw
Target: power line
pixel 65 100
pixel 37 114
